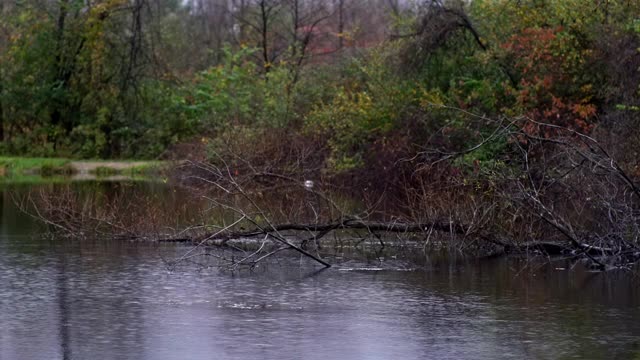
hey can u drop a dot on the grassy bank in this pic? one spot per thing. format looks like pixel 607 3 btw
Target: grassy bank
pixel 105 168
pixel 47 167
pixel 10 166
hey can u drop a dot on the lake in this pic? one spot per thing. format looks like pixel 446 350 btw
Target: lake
pixel 101 299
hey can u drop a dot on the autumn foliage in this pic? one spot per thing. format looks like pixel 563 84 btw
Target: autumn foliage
pixel 113 78
pixel 549 90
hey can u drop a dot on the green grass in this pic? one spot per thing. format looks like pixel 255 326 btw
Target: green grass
pixel 36 170
pixel 150 167
pixel 145 168
pixel 43 166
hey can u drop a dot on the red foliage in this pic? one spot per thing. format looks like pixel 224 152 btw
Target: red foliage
pixel 546 91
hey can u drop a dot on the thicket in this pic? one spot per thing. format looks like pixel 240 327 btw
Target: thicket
pixel 502 122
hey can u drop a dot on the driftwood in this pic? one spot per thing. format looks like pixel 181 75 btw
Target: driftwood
pixel 273 231
pixel 574 248
pixel 220 238
pixel 352 224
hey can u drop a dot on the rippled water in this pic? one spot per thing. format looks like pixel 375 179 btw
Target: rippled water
pixel 115 300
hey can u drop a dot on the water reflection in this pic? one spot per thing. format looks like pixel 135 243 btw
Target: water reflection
pixel 115 300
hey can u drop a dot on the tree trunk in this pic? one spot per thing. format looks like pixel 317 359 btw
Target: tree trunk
pixel 1 110
pixel 265 34
pixel 340 24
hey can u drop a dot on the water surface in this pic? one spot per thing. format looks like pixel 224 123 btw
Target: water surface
pixel 118 300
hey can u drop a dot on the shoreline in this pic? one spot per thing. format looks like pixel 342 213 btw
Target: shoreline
pixel 47 167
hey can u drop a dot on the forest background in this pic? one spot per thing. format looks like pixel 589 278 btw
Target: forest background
pixel 511 118
pixel 363 80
